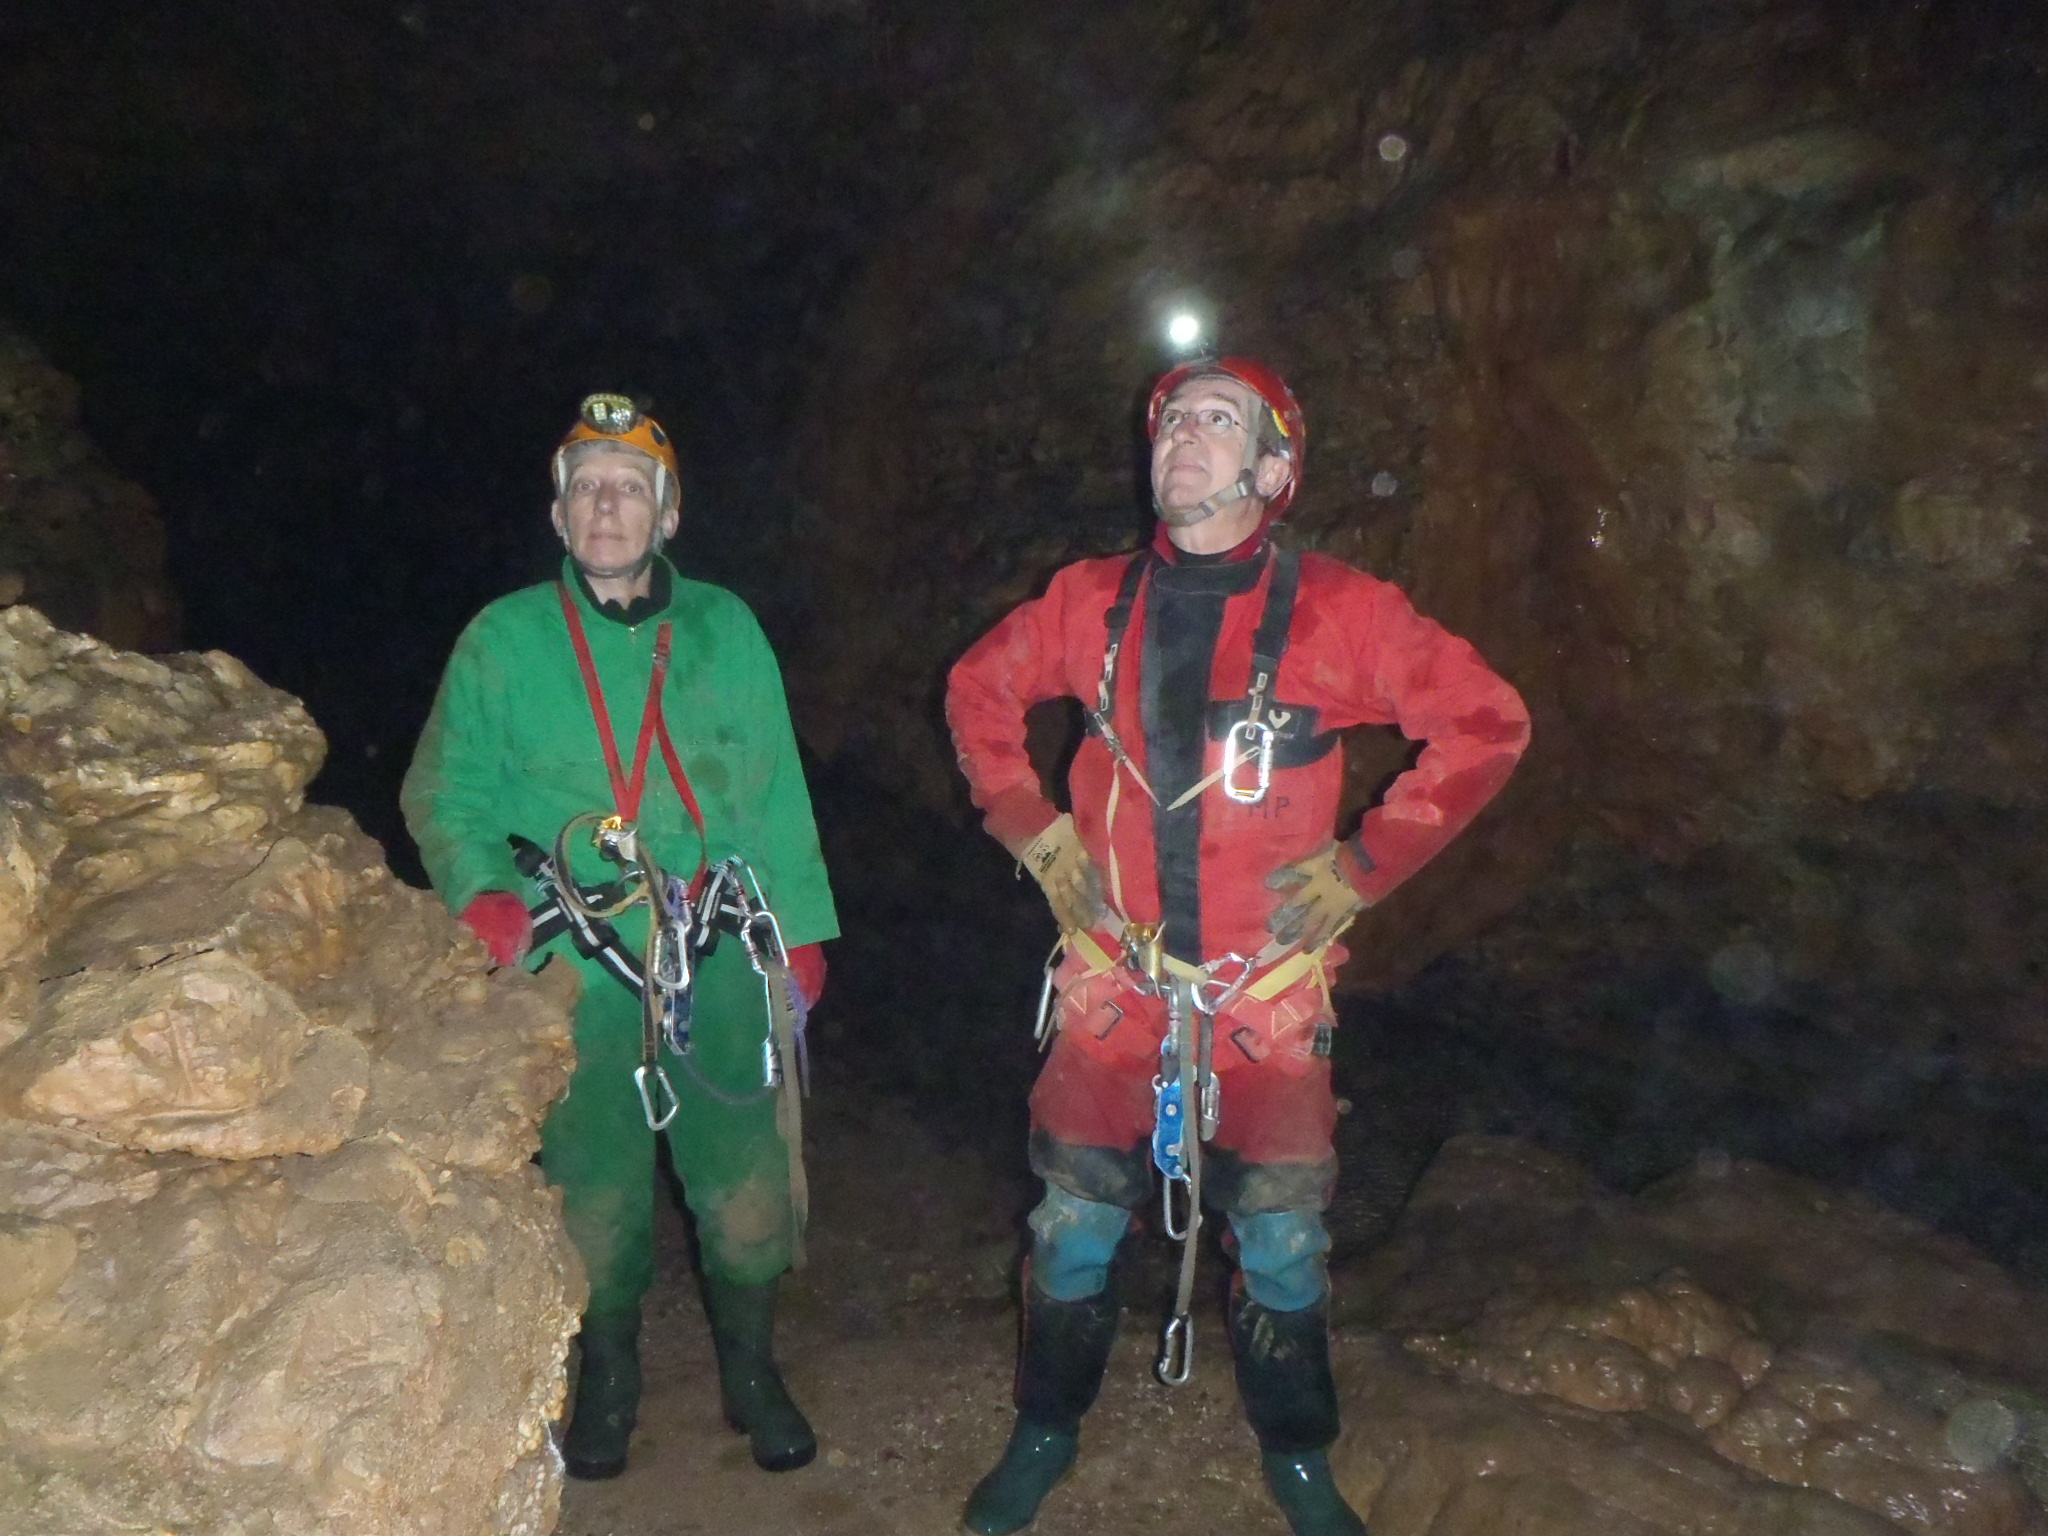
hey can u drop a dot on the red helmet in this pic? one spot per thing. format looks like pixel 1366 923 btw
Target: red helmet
pixel 1273 393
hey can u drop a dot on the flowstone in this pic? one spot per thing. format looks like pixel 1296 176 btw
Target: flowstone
pixel 1735 1351
pixel 274 1257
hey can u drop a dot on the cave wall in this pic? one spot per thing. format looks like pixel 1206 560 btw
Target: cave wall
pixel 76 540
pixel 1689 359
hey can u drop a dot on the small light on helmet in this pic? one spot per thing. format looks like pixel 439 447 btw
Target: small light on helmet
pixel 1184 331
pixel 613 415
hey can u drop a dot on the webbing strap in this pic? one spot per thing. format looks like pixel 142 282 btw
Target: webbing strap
pixel 688 795
pixel 1118 620
pixel 1263 986
pixel 1269 641
pixel 783 1024
pixel 626 792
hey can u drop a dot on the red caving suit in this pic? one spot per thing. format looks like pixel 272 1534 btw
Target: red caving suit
pixel 1357 653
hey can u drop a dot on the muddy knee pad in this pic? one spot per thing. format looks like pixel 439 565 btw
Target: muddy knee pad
pixel 1284 1258
pixel 1072 1243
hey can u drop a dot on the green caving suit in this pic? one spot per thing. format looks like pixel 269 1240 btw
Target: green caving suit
pixel 511 747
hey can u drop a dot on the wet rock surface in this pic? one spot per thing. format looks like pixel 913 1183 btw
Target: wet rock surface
pixel 273 1255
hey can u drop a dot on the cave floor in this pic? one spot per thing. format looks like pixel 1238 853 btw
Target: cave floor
pixel 898 1340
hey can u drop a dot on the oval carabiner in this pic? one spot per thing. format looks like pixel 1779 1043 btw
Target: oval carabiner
pixel 1258 737
pixel 1176 1353
pixel 1048 997
pixel 657 1120
pixel 1176 1232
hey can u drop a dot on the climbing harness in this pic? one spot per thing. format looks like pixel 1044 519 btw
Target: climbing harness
pixel 1250 740
pixel 687 917
pixel 1187 1099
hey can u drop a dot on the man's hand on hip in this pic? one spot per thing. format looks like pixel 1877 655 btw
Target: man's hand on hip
pixel 1321 899
pixel 1069 878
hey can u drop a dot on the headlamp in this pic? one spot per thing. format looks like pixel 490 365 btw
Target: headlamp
pixel 613 415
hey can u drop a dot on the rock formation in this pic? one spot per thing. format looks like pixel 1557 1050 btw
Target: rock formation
pixel 273 1255
pixel 1734 1351
pixel 77 541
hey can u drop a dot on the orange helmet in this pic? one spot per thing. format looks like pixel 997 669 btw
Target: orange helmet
pixel 1273 393
pixel 616 419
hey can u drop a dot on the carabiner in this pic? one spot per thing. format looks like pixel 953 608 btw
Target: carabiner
pixel 650 1098
pixel 1047 995
pixel 618 840
pixel 1182 1230
pixel 1176 1353
pixel 1258 737
pixel 1213 995
pixel 671 955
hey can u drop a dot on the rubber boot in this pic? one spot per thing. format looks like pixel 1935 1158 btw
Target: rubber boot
pixel 756 1402
pixel 1283 1373
pixel 1059 1371
pixel 607 1396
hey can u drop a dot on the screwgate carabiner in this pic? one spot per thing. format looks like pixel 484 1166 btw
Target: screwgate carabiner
pixel 1257 736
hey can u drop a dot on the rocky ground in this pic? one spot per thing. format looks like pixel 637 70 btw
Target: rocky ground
pixel 899 1341
pixel 1728 1349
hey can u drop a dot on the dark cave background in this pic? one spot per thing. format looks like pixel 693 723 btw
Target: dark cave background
pixel 333 278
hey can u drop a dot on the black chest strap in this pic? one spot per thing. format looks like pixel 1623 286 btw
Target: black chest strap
pixel 1269 641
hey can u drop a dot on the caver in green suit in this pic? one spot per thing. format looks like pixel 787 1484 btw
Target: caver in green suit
pixel 512 747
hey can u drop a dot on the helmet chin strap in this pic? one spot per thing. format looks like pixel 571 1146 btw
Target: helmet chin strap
pixel 1244 485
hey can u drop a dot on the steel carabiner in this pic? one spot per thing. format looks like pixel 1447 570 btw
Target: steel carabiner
pixel 1176 1353
pixel 1258 736
pixel 650 1098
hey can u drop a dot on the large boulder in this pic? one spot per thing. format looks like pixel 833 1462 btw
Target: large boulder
pixel 274 1256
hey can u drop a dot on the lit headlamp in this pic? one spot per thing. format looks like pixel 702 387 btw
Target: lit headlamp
pixel 613 415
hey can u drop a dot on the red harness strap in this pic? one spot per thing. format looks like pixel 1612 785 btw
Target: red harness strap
pixel 626 792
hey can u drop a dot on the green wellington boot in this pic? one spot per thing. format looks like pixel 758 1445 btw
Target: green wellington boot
pixel 1033 1464
pixel 1283 1373
pixel 1307 1495
pixel 607 1396
pixel 1059 1371
pixel 756 1402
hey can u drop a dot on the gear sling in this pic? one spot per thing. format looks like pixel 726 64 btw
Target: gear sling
pixel 1186 1098
pixel 687 920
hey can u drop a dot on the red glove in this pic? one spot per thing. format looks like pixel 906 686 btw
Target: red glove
pixel 501 920
pixel 807 963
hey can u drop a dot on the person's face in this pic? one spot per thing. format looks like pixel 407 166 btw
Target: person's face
pixel 607 514
pixel 1204 443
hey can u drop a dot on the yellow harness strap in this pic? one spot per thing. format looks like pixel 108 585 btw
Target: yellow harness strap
pixel 1267 987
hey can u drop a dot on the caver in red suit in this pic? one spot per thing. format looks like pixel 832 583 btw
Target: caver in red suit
pixel 1217 635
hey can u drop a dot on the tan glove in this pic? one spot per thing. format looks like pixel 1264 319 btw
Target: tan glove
pixel 1322 899
pixel 1069 878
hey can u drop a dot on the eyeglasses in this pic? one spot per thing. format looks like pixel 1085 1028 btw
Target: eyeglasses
pixel 1210 421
